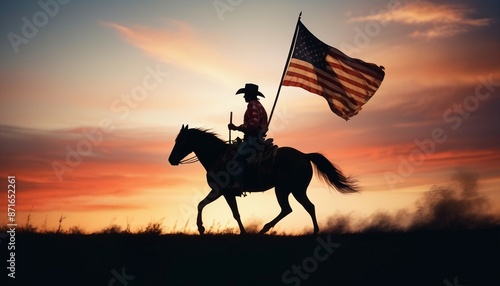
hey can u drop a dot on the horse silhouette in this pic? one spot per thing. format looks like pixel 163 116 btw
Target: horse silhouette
pixel 291 172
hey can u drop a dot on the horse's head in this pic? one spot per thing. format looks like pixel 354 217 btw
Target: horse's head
pixel 182 147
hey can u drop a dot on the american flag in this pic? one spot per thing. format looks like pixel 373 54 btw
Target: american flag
pixel 346 83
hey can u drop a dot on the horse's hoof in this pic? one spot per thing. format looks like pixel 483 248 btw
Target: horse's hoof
pixel 201 230
pixel 265 229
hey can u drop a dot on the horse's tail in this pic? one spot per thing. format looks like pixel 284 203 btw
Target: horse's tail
pixel 331 175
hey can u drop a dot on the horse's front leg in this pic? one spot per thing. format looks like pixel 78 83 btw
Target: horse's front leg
pixel 231 201
pixel 212 196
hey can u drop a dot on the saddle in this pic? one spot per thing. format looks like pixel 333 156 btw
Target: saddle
pixel 257 167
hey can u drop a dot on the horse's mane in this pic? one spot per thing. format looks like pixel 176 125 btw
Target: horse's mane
pixel 209 135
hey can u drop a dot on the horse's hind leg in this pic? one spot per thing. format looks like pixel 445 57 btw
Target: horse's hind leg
pixel 302 198
pixel 282 197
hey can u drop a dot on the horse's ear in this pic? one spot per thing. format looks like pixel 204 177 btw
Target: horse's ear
pixel 187 126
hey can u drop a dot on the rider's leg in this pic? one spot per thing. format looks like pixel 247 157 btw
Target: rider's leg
pixel 240 159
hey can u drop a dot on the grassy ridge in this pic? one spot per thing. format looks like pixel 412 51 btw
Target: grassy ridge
pixel 411 258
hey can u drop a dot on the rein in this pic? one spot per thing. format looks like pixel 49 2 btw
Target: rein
pixel 190 160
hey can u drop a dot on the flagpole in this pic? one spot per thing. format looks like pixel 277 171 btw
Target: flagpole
pixel 230 121
pixel 284 70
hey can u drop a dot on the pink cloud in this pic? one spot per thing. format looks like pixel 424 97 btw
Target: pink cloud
pixel 431 20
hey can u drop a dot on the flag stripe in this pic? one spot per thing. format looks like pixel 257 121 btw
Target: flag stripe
pixel 346 83
pixel 312 85
pixel 326 82
pixel 344 70
pixel 340 66
pixel 371 70
pixel 302 74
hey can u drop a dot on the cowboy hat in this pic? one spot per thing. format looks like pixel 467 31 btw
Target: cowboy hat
pixel 250 89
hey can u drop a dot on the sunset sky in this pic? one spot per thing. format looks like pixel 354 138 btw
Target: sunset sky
pixel 113 81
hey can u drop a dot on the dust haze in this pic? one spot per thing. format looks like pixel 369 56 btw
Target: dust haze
pixel 458 206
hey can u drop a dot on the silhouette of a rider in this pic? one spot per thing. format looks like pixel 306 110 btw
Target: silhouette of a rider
pixel 254 127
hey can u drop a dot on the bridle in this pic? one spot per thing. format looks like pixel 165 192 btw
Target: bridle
pixel 190 160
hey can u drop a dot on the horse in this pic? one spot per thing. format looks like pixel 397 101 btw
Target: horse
pixel 291 172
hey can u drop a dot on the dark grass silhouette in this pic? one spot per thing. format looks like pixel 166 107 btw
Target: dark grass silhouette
pixel 376 258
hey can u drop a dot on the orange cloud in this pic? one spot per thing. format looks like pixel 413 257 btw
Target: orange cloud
pixel 431 19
